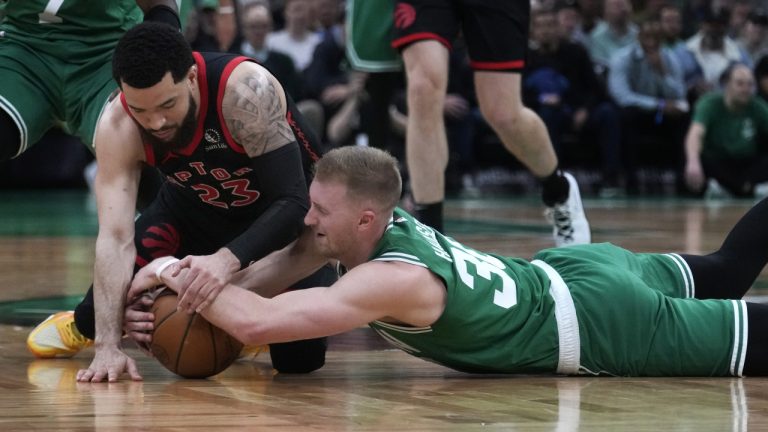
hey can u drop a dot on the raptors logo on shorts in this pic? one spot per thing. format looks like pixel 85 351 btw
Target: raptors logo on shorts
pixel 405 15
pixel 160 240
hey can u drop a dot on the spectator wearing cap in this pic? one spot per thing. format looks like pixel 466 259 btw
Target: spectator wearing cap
pixel 754 36
pixel 714 50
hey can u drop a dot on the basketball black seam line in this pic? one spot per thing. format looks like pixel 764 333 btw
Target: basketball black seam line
pixel 215 353
pixel 181 343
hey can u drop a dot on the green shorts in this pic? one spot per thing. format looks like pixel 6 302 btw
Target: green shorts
pixel 652 327
pixel 39 91
pixel 369 36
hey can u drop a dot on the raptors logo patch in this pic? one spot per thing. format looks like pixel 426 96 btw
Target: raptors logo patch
pixel 405 15
pixel 161 240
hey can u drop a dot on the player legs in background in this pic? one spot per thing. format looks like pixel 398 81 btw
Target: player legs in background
pixel 425 31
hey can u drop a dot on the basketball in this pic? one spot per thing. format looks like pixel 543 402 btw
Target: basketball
pixel 188 345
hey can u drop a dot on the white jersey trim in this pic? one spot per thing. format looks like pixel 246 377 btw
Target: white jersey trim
pixel 567 323
pixel 740 337
pixel 402 257
pixel 685 271
pixel 19 120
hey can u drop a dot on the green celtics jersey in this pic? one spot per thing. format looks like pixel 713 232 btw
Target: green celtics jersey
pixel 498 317
pixel 82 25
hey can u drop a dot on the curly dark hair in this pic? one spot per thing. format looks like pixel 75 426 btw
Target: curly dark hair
pixel 147 52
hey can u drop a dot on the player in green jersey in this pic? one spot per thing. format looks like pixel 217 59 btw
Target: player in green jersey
pixel 586 309
pixel 55 64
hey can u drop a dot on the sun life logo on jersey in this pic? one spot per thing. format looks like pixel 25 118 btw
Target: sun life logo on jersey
pixel 213 138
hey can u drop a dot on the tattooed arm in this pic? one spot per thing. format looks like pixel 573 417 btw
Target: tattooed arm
pixel 254 110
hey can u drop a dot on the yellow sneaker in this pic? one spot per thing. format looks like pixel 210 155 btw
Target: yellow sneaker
pixel 57 337
pixel 250 352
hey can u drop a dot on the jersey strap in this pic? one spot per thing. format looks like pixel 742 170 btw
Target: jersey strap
pixel 567 324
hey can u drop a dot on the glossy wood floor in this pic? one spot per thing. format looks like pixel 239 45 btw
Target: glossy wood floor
pixel 46 247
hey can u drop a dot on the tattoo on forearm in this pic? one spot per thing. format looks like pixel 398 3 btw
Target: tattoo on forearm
pixel 256 115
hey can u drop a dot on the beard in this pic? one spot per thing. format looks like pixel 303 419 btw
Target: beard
pixel 181 138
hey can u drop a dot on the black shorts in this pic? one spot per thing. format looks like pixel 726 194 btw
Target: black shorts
pixel 496 31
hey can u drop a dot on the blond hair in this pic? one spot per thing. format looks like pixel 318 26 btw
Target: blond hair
pixel 366 172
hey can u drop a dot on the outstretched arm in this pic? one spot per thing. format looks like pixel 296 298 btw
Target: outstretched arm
pixel 118 149
pixel 266 277
pixel 408 294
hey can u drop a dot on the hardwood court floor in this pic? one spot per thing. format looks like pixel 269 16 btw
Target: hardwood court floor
pixel 46 248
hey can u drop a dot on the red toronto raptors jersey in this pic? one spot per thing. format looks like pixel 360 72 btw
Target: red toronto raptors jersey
pixel 212 168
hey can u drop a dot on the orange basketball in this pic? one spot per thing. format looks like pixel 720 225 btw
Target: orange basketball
pixel 188 345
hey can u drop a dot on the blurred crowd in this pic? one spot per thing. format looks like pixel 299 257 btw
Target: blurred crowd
pixel 640 96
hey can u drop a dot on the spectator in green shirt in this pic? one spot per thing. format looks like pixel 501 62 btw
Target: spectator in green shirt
pixel 725 136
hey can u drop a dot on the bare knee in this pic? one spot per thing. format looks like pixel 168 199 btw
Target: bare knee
pixel 426 90
pixel 503 116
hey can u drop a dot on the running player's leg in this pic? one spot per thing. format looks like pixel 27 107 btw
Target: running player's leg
pixel 497 38
pixel 424 31
pixel 729 272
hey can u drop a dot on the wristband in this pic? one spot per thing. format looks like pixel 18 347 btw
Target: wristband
pixel 225 10
pixel 163 266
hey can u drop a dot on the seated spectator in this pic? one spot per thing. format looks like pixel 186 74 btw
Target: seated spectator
pixel 591 14
pixel 256 24
pixel 740 11
pixel 671 20
pixel 615 32
pixel 328 22
pixel 297 39
pixel 714 50
pixel 647 83
pixel 761 77
pixel 211 26
pixel 753 39
pixel 327 76
pixel 569 22
pixel 561 86
pixel 725 139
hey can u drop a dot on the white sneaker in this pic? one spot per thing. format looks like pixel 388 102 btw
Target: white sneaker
pixel 570 225
pixel 715 190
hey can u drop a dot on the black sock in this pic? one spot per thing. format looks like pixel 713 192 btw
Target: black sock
pixel 756 359
pixel 729 272
pixel 555 188
pixel 85 319
pixel 430 214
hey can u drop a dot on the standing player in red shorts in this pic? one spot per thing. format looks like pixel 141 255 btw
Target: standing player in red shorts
pixel 497 36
